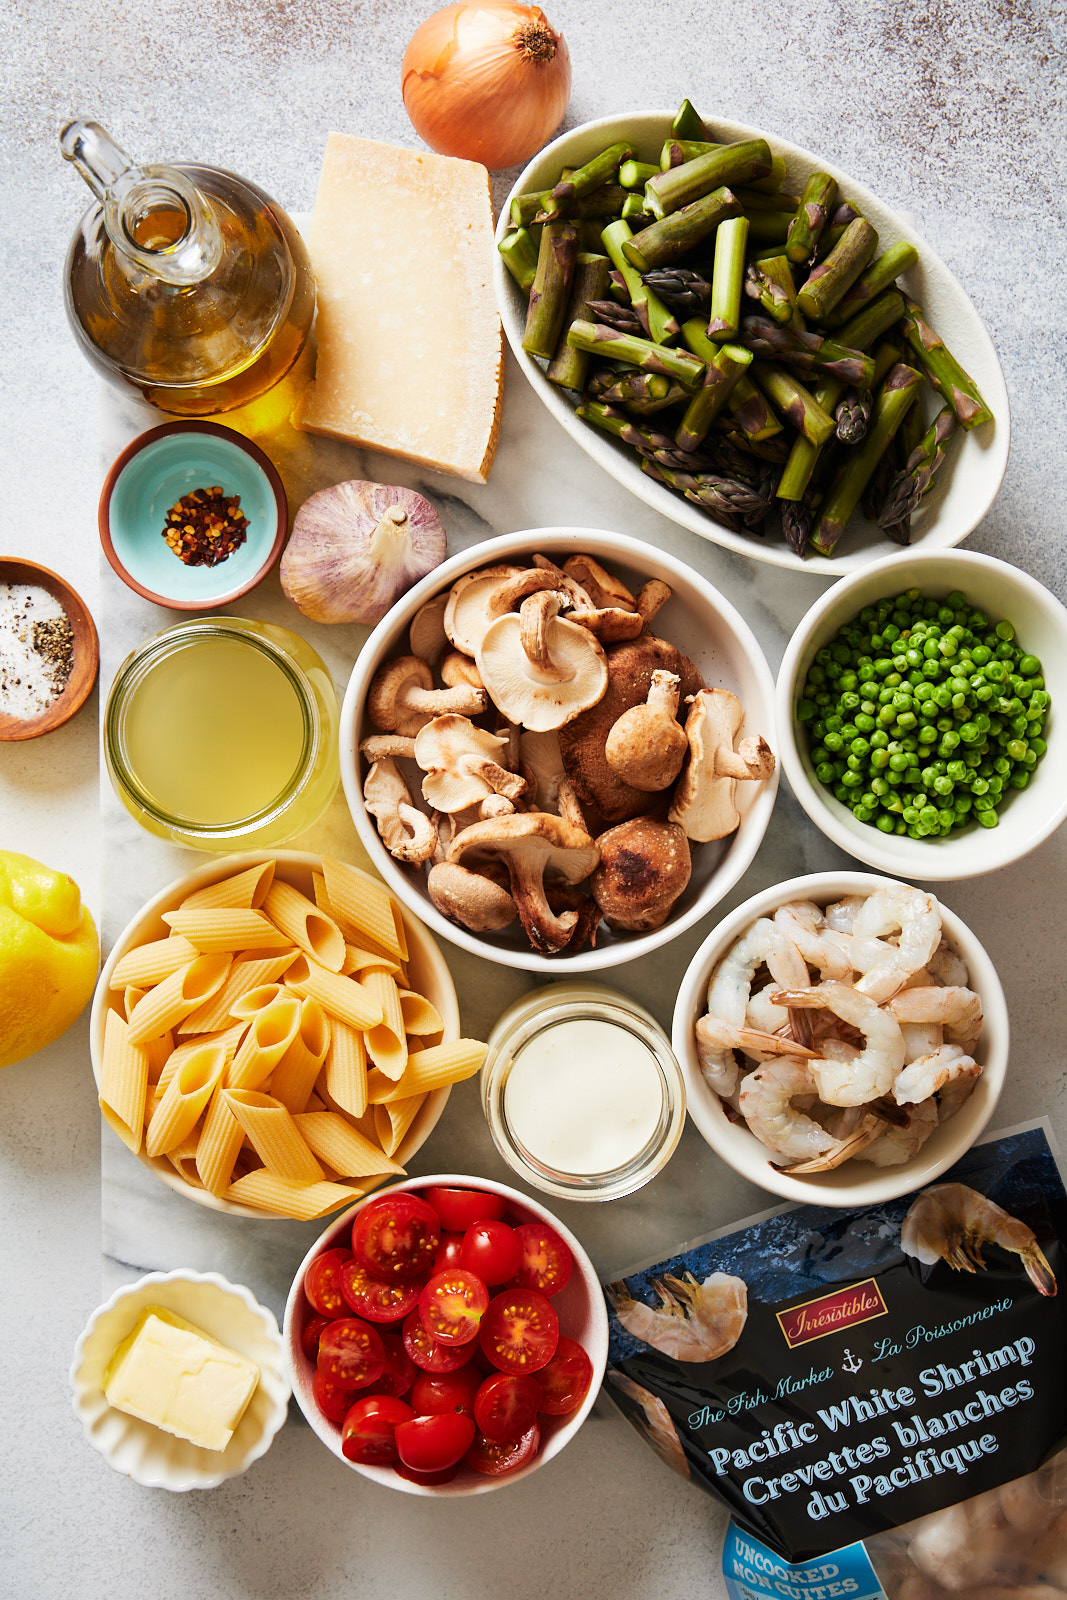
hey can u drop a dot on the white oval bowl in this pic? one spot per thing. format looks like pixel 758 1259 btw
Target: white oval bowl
pixel 427 968
pixel 855 1183
pixel 700 621
pixel 1029 815
pixel 963 492
pixel 579 1305
pixel 148 1455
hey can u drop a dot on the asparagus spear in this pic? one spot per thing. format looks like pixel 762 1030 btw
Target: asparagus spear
pixel 881 273
pixel 853 415
pixel 659 323
pixel 732 163
pixel 569 367
pixel 560 201
pixel 523 209
pixel 798 472
pixel 944 371
pixel 724 370
pixel 687 122
pixel 829 279
pixel 550 289
pixel 808 351
pixel 820 192
pixel 623 318
pixel 635 174
pixel 843 496
pixel 735 504
pixel 675 235
pixel 794 402
pixel 874 320
pixel 687 293
pixel 520 257
pixel 643 353
pixel 727 278
pixel 771 283
pixel 917 476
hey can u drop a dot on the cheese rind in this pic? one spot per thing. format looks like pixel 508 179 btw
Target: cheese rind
pixel 171 1374
pixel 410 346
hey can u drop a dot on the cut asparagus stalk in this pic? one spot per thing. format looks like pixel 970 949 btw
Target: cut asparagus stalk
pixel 551 289
pixel 727 278
pixel 731 163
pixel 673 236
pixel 569 366
pixel 800 465
pixel 520 257
pixel 643 353
pixel 843 496
pixel 917 476
pixel 829 279
pixel 874 320
pixel 659 323
pixel 720 379
pixel 816 202
pixel 808 351
pixel 561 201
pixel 881 274
pixel 635 174
pixel 954 385
pixel 687 122
pixel 795 403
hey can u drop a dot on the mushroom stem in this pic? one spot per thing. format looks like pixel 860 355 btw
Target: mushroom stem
pixel 537 611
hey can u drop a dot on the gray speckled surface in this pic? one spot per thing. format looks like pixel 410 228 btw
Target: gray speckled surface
pixel 952 113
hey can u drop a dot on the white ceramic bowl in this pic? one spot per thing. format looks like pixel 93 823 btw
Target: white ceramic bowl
pixel 855 1183
pixel 1029 815
pixel 579 1306
pixel 964 491
pixel 698 620
pixel 145 1453
pixel 427 967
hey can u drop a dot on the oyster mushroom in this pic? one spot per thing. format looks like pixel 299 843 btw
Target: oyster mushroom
pixel 644 867
pixel 704 799
pixel 470 898
pixel 531 845
pixel 407 833
pixel 540 670
pixel 460 764
pixel 651 598
pixel 583 741
pixel 402 698
pixel 457 669
pixel 465 615
pixel 427 638
pixel 647 745
pixel 604 589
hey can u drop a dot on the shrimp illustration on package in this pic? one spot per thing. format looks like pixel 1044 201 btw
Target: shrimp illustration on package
pixel 879 1394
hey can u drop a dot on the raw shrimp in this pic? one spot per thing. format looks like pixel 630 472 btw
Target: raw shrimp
pixel 917 916
pixel 947 966
pixel 656 1424
pixel 951 1223
pixel 715 1037
pixel 897 1145
pixel 805 925
pixel 693 1322
pixel 731 985
pixel 766 1103
pixel 958 1010
pixel 844 1076
pixel 966 1546
pixel 928 1075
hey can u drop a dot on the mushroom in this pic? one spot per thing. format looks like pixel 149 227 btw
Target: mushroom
pixel 466 618
pixel 460 764
pixel 651 597
pixel 604 589
pixel 612 625
pixel 540 670
pixel 582 742
pixel 644 867
pixel 704 799
pixel 402 697
pixel 380 745
pixel 530 845
pixel 427 638
pixel 647 745
pixel 457 669
pixel 469 898
pixel 407 833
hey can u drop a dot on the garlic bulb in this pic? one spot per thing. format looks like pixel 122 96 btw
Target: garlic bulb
pixel 356 547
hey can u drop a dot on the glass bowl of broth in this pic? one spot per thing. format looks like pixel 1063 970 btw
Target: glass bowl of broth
pixel 221 733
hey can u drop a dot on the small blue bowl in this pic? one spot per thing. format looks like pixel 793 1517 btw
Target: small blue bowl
pixel 154 472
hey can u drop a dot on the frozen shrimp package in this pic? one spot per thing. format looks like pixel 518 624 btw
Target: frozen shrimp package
pixel 854 1384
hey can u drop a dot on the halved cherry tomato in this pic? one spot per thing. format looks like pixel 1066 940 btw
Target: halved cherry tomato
pixel 432 1444
pixel 399 1371
pixel 322 1283
pixel 334 1400
pixel 491 1249
pixel 565 1381
pixel 367 1433
pixel 309 1339
pixel 351 1352
pixel 506 1406
pixel 546 1260
pixel 497 1457
pixel 374 1298
pixel 429 1353
pixel 459 1208
pixel 520 1331
pixel 434 1393
pixel 395 1237
pixel 430 1478
pixel 452 1306
pixel 448 1252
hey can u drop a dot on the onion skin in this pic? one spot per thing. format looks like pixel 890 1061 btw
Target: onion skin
pixel 356 547
pixel 487 83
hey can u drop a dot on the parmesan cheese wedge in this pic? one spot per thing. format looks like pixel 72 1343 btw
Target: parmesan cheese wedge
pixel 410 347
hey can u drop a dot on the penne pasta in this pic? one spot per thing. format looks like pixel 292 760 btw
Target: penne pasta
pixel 435 1066
pixel 219 1144
pixel 245 975
pixel 340 997
pixel 273 1135
pixel 315 933
pixel 386 1043
pixel 249 1005
pixel 419 1015
pixel 295 1075
pixel 245 891
pixel 359 961
pixel 344 1083
pixel 392 1121
pixel 334 1140
pixel 224 929
pixel 149 963
pixel 158 1052
pixel 183 1100
pixel 171 1001
pixel 366 905
pixel 269 1037
pixel 267 1191
pixel 123 1088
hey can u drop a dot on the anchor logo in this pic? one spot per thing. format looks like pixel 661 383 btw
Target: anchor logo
pixel 851 1363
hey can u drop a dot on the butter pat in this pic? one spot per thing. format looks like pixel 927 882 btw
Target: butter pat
pixel 171 1374
pixel 410 347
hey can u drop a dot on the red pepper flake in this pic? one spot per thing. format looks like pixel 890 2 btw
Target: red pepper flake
pixel 205 526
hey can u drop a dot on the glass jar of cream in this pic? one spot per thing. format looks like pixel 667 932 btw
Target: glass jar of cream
pixel 582 1093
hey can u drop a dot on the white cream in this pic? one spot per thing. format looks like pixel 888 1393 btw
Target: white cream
pixel 583 1096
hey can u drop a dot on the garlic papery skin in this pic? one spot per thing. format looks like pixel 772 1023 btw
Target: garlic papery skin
pixel 357 547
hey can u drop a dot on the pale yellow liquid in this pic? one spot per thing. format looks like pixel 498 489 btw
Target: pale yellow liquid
pixel 214 732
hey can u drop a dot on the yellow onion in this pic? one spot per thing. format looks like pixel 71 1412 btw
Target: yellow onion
pixel 488 82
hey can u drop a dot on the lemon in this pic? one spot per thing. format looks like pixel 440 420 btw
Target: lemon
pixel 49 955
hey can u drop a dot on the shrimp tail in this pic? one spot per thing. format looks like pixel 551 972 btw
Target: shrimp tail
pixel 1039 1272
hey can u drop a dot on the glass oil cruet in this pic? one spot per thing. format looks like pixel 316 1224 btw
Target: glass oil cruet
pixel 184 283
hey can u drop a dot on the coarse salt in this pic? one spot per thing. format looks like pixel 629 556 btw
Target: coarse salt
pixel 29 679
